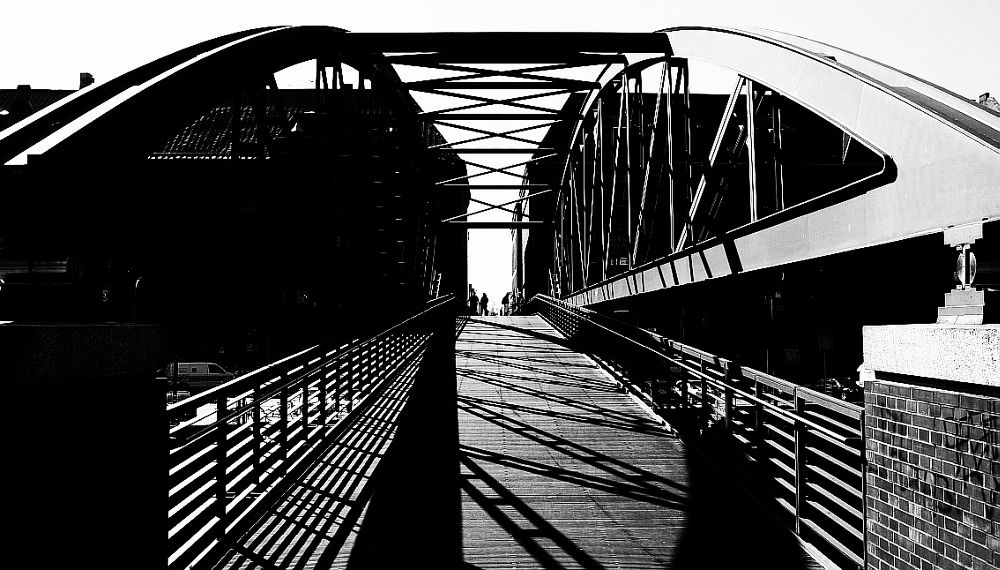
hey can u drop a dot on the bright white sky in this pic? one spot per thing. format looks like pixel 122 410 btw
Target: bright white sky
pixel 47 43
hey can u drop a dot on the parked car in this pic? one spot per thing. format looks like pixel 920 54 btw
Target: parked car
pixel 844 388
pixel 197 376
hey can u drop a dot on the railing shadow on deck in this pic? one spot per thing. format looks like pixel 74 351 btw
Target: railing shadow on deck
pixel 320 513
pixel 798 453
pixel 284 469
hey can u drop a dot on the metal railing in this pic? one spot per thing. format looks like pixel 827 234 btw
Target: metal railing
pixel 232 447
pixel 804 447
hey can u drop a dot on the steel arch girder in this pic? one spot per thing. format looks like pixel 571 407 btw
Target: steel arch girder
pixel 946 164
pixel 155 96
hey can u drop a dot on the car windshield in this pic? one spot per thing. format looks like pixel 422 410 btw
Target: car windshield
pixel 215 369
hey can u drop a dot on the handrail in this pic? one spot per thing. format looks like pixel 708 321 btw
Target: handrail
pixel 326 349
pixel 792 435
pixel 812 394
pixel 225 465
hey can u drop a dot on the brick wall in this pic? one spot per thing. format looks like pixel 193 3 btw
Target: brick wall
pixel 933 477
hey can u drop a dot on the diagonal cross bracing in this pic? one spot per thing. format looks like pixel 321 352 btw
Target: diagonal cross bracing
pixel 485 85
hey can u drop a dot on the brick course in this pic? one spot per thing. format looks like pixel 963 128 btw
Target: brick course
pixel 933 477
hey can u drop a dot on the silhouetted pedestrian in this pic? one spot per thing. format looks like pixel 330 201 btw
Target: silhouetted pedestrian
pixel 473 302
pixel 484 305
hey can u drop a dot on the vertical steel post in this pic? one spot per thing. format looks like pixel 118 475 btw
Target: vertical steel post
pixel 584 229
pixel 689 176
pixel 322 399
pixel 627 95
pixel 338 375
pixel 728 382
pixel 779 172
pixel 685 404
pixel 283 428
pixel 599 156
pixel 759 427
pixel 706 412
pixel 800 462
pixel 646 167
pixel 751 152
pixel 671 173
pixel 221 463
pixel 305 410
pixel 256 433
pixel 350 380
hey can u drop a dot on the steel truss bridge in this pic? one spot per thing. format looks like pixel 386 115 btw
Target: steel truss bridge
pixel 656 186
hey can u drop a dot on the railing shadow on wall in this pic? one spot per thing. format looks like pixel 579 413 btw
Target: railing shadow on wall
pixel 232 449
pixel 799 451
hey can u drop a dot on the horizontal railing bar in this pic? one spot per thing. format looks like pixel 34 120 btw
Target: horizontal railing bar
pixel 853 471
pixel 185 529
pixel 839 482
pixel 825 494
pixel 183 509
pixel 788 437
pixel 830 403
pixel 836 520
pixel 843 444
pixel 829 539
pixel 832 423
pixel 782 450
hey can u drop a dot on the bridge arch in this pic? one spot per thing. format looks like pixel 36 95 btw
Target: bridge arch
pixel 940 168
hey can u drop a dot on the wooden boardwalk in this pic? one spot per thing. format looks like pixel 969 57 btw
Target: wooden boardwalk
pixel 562 470
pixel 551 467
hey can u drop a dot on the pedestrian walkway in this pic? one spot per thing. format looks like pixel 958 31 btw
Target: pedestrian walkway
pixel 530 458
pixel 560 469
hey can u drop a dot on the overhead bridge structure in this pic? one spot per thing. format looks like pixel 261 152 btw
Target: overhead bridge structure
pixel 718 236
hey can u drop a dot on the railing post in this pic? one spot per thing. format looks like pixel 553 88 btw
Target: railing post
pixel 800 462
pixel 284 428
pixel 221 463
pixel 728 380
pixel 338 377
pixel 305 410
pixel 758 424
pixel 684 404
pixel 256 434
pixel 706 413
pixel 367 366
pixel 350 379
pixel 322 400
pixel 381 346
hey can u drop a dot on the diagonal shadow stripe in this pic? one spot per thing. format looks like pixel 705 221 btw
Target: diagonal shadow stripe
pixel 639 492
pixel 528 539
pixel 612 465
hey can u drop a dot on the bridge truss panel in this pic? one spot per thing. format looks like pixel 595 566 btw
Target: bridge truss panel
pixel 915 159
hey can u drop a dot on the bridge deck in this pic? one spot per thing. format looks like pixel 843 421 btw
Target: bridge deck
pixel 561 470
pixel 555 469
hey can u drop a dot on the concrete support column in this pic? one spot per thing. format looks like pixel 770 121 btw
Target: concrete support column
pixel 932 433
